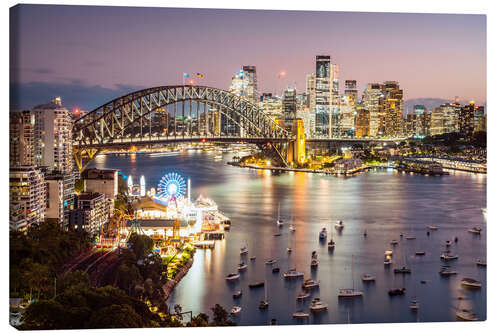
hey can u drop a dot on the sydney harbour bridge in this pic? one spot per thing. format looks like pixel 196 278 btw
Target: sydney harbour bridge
pixel 183 113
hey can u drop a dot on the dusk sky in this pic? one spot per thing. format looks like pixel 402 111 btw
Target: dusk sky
pixel 89 55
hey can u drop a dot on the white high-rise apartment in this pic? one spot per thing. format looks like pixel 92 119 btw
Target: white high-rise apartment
pixel 244 84
pixel 373 103
pixel 22 126
pixel 53 125
pixel 27 194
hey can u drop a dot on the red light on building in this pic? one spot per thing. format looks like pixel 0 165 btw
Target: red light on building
pixel 203 140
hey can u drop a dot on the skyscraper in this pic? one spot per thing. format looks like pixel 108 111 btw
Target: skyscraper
pixel 350 89
pixel 53 126
pixel 393 109
pixel 289 107
pixel 323 95
pixel 437 121
pixel 244 84
pixel 373 103
pixel 466 120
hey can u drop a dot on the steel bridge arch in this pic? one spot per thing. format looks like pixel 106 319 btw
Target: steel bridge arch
pixel 110 121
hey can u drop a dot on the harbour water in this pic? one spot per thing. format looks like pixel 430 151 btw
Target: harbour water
pixel 385 203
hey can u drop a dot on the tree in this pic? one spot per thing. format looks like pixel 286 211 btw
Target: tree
pixel 142 245
pixel 221 316
pixel 115 316
pixel 44 315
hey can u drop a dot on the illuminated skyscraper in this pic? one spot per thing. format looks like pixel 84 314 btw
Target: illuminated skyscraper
pixel 393 110
pixel 244 84
pixel 437 121
pixel 350 89
pixel 373 103
pixel 466 120
pixel 323 96
pixel 289 107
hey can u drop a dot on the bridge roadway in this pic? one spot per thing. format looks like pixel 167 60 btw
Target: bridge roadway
pixel 145 141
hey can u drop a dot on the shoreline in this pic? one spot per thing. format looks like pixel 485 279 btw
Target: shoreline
pixel 170 285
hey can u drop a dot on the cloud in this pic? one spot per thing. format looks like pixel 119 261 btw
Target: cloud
pixel 74 93
pixel 40 70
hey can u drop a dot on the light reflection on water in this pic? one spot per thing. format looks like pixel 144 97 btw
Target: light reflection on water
pixel 384 203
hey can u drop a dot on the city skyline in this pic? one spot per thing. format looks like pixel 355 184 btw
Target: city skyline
pixel 428 54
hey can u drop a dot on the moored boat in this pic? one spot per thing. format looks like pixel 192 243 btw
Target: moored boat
pixel 339 225
pixel 302 296
pixel 310 284
pixel 471 283
pixel 237 294
pixel 397 291
pixel 466 315
pixel 414 304
pixel 331 244
pixel 242 266
pixel 232 277
pixel 323 234
pixel 235 310
pixel 276 270
pixel 420 253
pixel 256 284
pixel 402 270
pixel 367 277
pixel 448 256
pixel 243 250
pixel 314 263
pixel 433 227
pixel 349 292
pixel 394 242
pixel 263 305
pixel 475 230
pixel 270 261
pixel 300 314
pixel 447 271
pixel 480 262
pixel 293 273
pixel 317 305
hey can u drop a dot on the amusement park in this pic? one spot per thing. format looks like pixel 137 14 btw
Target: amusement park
pixel 167 215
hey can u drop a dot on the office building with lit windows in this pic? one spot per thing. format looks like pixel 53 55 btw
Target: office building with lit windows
pixel 244 84
pixel 22 137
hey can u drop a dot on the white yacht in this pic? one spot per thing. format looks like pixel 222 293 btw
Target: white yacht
pixel 243 250
pixel 367 277
pixel 448 256
pixel 339 225
pixel 292 228
pixel 242 266
pixel 270 261
pixel 475 230
pixel 300 314
pixel 232 277
pixel 235 310
pixel 468 282
pixel 414 304
pixel 310 284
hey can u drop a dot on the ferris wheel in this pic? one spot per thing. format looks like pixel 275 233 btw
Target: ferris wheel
pixel 171 186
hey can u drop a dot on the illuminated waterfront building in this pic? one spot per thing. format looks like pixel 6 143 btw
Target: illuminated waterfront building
pixel 27 196
pixel 21 141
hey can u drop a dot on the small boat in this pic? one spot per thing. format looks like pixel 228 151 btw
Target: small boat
pixel 277 234
pixel 256 284
pixel 232 277
pixel 388 253
pixel 466 315
pixel 365 233
pixel 279 223
pixel 387 260
pixel 314 263
pixel 302 296
pixel 446 271
pixel 292 228
pixel 273 322
pixel 242 266
pixel 237 294
pixel 402 270
pixel 367 277
pixel 397 292
pixel 423 281
pixel 276 270
pixel 314 255
pixel 349 292
pixel 410 237
pixel 471 283
pixel 270 261
pixel 317 305
pixel 475 230
pixel 310 284
pixel 432 227
pixel 263 305
pixel 414 304
pixel 288 249
pixel 394 242
pixel 293 273
pixel 480 262
pixel 299 315
pixel 448 256
pixel 331 244
pixel 243 250
pixel 253 257
pixel 401 235
pixel 339 225
pixel 235 310
pixel 456 239
pixel 322 233
pixel 420 253
pixel 428 233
